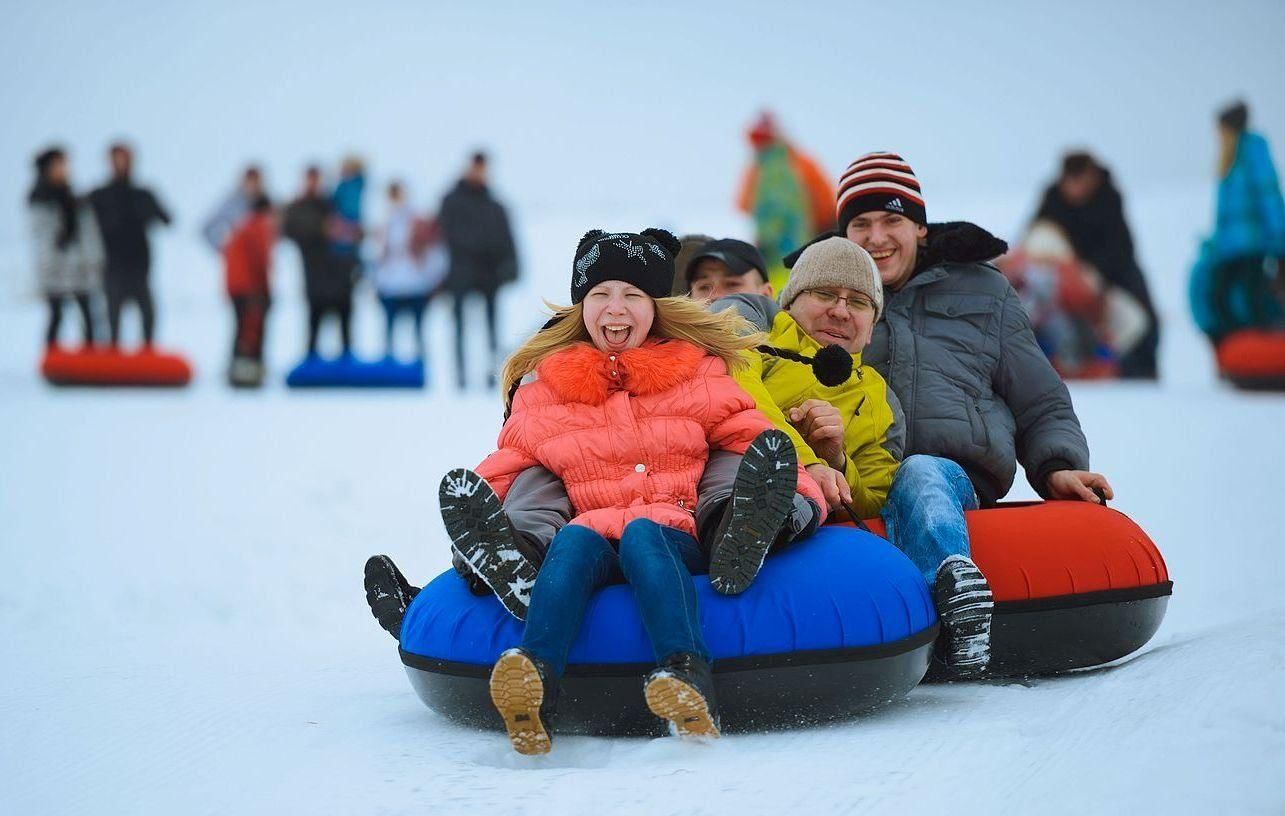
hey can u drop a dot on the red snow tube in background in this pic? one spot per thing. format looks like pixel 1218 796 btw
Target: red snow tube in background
pixel 109 367
pixel 1253 359
pixel 1075 584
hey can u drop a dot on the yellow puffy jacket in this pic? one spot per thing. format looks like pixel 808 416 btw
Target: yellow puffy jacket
pixel 874 435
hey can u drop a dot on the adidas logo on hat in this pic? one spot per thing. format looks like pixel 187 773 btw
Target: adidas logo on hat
pixel 895 206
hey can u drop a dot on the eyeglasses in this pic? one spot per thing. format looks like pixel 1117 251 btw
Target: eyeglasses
pixel 856 303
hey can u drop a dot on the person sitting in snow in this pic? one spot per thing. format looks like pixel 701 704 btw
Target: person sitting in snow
pixel 1086 204
pixel 957 349
pixel 624 372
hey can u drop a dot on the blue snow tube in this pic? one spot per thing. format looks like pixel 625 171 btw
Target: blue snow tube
pixel 349 372
pixel 832 626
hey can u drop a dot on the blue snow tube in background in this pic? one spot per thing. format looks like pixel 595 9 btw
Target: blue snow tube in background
pixel 349 372
pixel 832 626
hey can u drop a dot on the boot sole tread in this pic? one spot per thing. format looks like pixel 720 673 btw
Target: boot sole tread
pixel 682 705
pixel 477 519
pixel 517 693
pixel 759 509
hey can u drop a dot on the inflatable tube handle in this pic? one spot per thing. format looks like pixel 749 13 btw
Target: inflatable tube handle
pixel 1101 494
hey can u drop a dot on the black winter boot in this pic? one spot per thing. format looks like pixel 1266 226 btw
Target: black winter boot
pixel 762 498
pixel 681 690
pixel 965 605
pixel 388 593
pixel 525 692
pixel 485 541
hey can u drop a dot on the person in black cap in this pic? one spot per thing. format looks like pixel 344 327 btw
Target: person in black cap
pixel 726 266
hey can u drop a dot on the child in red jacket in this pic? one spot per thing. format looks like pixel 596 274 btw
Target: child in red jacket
pixel 247 258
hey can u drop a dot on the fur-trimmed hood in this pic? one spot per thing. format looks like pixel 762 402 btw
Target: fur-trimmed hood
pixel 583 373
pixel 958 242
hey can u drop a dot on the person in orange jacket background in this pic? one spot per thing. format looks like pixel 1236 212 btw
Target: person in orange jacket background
pixel 247 258
pixel 788 194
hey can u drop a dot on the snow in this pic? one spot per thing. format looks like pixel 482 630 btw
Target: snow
pixel 184 623
pixel 181 610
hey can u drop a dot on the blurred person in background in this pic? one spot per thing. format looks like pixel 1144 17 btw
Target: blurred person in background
pixel 1232 283
pixel 787 193
pixel 483 257
pixel 412 263
pixel 1085 203
pixel 325 285
pixel 725 266
pixel 345 225
pixel 247 257
pixel 233 209
pixel 66 243
pixel 688 244
pixel 125 211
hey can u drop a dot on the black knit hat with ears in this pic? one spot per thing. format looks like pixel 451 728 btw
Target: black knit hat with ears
pixel 643 259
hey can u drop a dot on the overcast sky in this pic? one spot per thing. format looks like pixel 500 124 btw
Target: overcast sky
pixel 646 104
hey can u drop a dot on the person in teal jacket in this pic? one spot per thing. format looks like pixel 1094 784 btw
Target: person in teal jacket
pixel 1232 281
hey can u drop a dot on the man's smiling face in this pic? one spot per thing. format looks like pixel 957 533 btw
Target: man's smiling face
pixel 892 240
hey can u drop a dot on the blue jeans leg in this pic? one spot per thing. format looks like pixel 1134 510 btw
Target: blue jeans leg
pixel 578 562
pixel 658 562
pixel 925 511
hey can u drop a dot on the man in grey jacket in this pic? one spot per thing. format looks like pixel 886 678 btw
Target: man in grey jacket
pixel 977 393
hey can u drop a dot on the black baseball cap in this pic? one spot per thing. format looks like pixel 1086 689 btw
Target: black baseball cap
pixel 739 257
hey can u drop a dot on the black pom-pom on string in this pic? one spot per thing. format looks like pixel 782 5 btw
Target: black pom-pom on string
pixel 832 365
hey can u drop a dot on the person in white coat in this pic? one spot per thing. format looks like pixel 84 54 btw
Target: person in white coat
pixel 412 263
pixel 66 243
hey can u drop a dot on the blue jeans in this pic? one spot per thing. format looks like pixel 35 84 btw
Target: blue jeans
pixel 656 561
pixel 925 511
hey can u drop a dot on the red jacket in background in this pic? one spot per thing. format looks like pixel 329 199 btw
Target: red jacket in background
pixel 247 256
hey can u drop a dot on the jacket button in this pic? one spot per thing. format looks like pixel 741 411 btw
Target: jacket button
pixel 639 468
pixel 615 374
pixel 612 358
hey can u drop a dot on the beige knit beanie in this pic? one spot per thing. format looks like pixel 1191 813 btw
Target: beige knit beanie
pixel 835 262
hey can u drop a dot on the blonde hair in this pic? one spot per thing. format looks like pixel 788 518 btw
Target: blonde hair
pixel 724 334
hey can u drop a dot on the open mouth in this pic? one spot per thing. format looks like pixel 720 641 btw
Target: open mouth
pixel 617 335
pixel 882 254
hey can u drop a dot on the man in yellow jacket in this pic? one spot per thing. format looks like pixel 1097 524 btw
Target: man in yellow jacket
pixel 845 429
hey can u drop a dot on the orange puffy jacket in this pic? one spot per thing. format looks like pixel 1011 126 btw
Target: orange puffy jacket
pixel 628 434
pixel 247 256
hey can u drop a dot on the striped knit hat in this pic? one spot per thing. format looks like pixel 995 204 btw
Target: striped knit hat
pixel 879 181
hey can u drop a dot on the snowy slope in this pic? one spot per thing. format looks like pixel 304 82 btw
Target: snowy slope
pixel 184 627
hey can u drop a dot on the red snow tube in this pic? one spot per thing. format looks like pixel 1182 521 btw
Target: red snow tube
pixel 1075 584
pixel 109 367
pixel 1254 359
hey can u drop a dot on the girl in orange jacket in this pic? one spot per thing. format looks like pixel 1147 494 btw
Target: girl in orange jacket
pixel 622 397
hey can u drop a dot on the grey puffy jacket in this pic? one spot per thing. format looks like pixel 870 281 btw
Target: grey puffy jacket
pixel 957 348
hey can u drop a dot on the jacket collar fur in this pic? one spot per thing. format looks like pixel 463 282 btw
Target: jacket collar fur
pixel 582 373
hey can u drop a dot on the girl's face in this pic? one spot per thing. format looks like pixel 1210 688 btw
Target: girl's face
pixel 618 316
